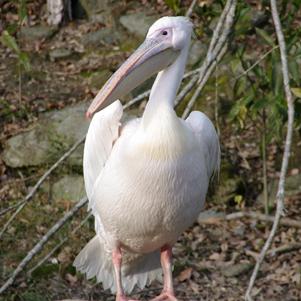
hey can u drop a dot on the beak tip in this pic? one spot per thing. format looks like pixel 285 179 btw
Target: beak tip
pixel 89 115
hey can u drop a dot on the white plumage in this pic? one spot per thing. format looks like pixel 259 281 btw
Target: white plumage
pixel 146 179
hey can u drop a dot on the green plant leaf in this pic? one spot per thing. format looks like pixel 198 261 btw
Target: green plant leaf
pixel 22 11
pixel 173 4
pixel 239 112
pixel 24 61
pixel 259 104
pixel 296 92
pixel 265 36
pixel 9 41
pixel 294 68
pixel 276 78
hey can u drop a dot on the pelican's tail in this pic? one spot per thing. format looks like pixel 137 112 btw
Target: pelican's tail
pixel 137 270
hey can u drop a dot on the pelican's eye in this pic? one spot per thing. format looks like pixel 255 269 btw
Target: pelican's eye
pixel 164 33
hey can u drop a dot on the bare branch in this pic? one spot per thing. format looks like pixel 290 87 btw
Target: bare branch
pixel 284 249
pixel 137 99
pixel 287 149
pixel 205 218
pixel 62 221
pixel 38 247
pixel 217 49
pixel 257 62
pixel 191 8
pixel 30 195
pixel 280 250
pixel 147 93
pixel 262 217
pixel 10 208
pixel 202 83
pixel 216 104
pixel 57 247
pixel 220 34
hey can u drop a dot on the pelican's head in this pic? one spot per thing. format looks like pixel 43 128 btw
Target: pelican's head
pixel 165 40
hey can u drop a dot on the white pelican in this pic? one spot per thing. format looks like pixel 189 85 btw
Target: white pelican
pixel 146 179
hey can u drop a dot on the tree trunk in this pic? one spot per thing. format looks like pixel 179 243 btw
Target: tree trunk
pixel 55 9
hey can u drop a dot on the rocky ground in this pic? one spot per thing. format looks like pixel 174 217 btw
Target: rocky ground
pixel 42 116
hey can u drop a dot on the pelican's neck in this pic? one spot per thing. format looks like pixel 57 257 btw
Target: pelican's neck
pixel 165 87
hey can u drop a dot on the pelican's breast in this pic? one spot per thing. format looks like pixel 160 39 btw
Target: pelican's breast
pixel 150 191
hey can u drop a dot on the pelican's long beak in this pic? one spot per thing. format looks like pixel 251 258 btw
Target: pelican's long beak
pixel 151 57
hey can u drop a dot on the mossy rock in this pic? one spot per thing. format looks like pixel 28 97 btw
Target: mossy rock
pixel 55 133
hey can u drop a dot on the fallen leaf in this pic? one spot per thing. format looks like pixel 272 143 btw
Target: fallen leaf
pixel 215 256
pixel 64 255
pixel 71 279
pixel 185 274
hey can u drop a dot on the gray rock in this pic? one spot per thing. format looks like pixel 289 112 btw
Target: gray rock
pixel 138 23
pixel 60 53
pixel 197 52
pixel 209 215
pixel 240 230
pixel 237 269
pixel 229 183
pixel 98 10
pixel 37 32
pixel 259 18
pixel 101 37
pixel 292 187
pixel 69 187
pixel 27 149
pixel 56 132
pixel 76 158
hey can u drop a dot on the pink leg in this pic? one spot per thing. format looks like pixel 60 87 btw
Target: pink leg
pixel 166 262
pixel 117 260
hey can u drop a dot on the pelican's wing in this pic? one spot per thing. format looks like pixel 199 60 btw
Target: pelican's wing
pixel 103 132
pixel 207 137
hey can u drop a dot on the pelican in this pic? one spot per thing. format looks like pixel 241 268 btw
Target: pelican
pixel 146 179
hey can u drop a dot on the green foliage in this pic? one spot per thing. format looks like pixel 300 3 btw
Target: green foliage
pixel 174 5
pixel 297 92
pixel 10 42
pixel 259 94
pixel 33 296
pixel 22 11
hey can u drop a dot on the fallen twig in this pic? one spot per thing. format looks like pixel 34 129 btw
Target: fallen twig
pixel 32 192
pixel 287 149
pixel 250 214
pixel 284 249
pixel 58 246
pixel 38 247
pixel 10 208
pixel 266 218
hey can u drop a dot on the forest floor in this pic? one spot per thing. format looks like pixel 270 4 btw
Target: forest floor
pixel 213 259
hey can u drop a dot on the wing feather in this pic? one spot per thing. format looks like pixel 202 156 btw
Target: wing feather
pixel 103 131
pixel 208 139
